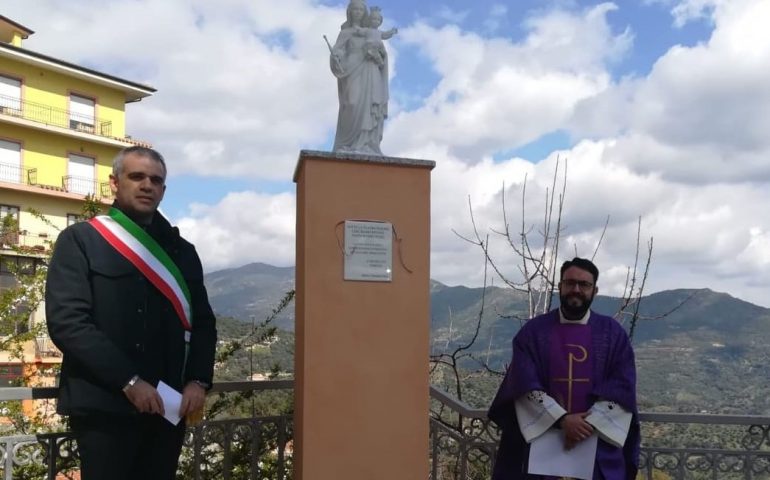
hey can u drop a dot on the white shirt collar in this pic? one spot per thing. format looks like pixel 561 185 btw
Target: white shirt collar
pixel 582 321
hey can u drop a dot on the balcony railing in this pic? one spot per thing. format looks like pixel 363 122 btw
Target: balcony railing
pixel 69 183
pixel 463 443
pixel 44 348
pixel 86 186
pixel 25 241
pixel 16 174
pixel 59 117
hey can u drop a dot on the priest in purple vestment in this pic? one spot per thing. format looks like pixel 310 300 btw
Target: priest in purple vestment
pixel 572 370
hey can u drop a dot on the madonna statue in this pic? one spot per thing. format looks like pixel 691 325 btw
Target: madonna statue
pixel 360 63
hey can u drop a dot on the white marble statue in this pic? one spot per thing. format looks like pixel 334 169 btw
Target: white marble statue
pixel 360 63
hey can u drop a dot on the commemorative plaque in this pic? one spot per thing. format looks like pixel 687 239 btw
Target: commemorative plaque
pixel 368 251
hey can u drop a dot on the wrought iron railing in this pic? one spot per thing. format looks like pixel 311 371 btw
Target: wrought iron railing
pixel 69 183
pixel 463 443
pixel 16 174
pixel 674 446
pixel 86 186
pixel 82 185
pixel 26 241
pixel 259 446
pixel 45 348
pixel 59 117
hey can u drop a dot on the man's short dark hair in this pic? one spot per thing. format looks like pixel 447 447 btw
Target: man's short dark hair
pixel 117 162
pixel 583 264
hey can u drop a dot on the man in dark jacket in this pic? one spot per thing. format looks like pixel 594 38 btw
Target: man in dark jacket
pixel 126 304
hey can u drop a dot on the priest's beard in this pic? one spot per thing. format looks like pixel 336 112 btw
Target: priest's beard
pixel 575 305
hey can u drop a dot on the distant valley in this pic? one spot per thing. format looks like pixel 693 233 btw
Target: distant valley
pixel 711 355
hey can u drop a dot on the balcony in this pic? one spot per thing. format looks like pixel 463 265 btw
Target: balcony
pixel 24 241
pixel 462 444
pixel 14 109
pixel 70 184
pixel 16 174
pixel 86 186
pixel 44 348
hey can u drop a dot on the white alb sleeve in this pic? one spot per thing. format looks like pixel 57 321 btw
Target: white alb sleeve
pixel 611 421
pixel 536 412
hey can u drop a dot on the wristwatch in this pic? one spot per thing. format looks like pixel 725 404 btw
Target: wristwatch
pixel 131 383
pixel 202 384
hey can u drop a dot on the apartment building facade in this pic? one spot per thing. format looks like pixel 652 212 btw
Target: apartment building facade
pixel 61 124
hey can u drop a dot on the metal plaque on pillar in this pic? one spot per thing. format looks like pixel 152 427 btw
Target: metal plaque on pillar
pixel 368 251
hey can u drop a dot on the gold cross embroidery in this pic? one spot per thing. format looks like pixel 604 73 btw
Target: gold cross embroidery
pixel 570 380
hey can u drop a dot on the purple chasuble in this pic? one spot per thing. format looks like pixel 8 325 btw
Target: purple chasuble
pixel 570 369
pixel 612 373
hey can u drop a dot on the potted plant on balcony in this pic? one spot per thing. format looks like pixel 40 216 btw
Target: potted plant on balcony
pixel 9 231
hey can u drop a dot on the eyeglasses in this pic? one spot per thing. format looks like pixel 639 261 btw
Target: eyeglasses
pixel 569 284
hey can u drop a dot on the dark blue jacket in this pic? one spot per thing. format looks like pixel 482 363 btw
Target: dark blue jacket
pixel 111 323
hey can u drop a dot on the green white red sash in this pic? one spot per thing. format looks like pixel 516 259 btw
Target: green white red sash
pixel 139 248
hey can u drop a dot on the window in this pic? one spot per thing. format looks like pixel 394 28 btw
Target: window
pixel 10 161
pixel 80 178
pixel 11 266
pixel 10 96
pixel 10 375
pixel 19 265
pixel 9 225
pixel 11 210
pixel 82 113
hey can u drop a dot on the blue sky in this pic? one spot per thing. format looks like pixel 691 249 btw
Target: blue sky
pixel 661 108
pixel 653 35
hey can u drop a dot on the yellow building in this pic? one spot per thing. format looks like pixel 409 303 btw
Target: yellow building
pixel 60 126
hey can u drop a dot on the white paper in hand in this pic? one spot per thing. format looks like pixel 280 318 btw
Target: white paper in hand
pixel 547 456
pixel 172 402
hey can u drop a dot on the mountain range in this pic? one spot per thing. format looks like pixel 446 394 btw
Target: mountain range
pixel 696 350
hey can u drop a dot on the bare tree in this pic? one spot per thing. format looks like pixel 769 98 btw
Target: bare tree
pixel 536 249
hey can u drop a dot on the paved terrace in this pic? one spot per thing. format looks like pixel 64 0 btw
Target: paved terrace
pixel 462 443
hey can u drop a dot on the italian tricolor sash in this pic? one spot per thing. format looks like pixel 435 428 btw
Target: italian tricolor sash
pixel 139 248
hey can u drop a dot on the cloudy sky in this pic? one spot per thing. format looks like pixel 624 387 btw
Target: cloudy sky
pixel 661 109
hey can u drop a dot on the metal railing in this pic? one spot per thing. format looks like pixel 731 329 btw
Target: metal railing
pixel 81 185
pixel 26 241
pixel 259 446
pixel 86 186
pixel 463 443
pixel 58 117
pixel 675 446
pixel 16 174
pixel 69 183
pixel 45 348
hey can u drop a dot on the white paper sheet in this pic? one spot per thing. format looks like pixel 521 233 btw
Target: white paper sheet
pixel 547 456
pixel 172 402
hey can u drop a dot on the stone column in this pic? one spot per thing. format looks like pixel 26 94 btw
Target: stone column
pixel 361 367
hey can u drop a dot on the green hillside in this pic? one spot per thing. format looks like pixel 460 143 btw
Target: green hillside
pixel 711 354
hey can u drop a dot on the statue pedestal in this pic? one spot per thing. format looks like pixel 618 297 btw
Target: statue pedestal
pixel 362 347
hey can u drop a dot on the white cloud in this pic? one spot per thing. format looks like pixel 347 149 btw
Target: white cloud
pixel 452 16
pixel 689 10
pixel 246 81
pixel 244 85
pixel 244 227
pixel 706 105
pixel 495 94
pixel 496 18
